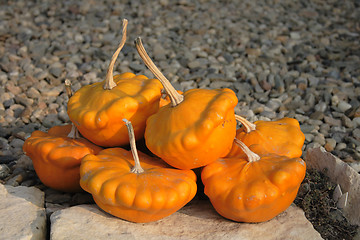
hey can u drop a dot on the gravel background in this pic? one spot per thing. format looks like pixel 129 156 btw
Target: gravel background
pixel 283 58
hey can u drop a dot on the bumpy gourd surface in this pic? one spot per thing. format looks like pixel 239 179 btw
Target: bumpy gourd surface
pixel 283 137
pixel 138 197
pixel 256 191
pixel 56 157
pixel 98 113
pixel 195 132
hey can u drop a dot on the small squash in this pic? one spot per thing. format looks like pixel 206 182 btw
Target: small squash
pixel 56 156
pixel 195 129
pixel 252 187
pixel 283 137
pixel 123 188
pixel 97 110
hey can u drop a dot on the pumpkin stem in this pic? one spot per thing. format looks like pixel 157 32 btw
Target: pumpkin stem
pixel 248 125
pixel 74 133
pixel 252 157
pixel 175 97
pixel 109 80
pixel 68 88
pixel 137 168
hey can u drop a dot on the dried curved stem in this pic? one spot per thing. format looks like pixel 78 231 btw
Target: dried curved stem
pixel 109 80
pixel 74 133
pixel 248 125
pixel 137 168
pixel 68 88
pixel 252 157
pixel 175 97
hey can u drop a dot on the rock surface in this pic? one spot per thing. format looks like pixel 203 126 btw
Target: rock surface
pixel 22 213
pixel 340 173
pixel 197 220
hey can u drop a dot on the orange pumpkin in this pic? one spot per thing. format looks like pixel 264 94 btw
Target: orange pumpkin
pixel 97 110
pixel 251 187
pixel 123 188
pixel 56 156
pixel 283 137
pixel 195 129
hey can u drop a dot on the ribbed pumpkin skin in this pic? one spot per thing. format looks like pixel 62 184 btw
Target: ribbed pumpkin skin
pixel 283 137
pixel 253 191
pixel 98 113
pixel 137 197
pixel 56 157
pixel 195 132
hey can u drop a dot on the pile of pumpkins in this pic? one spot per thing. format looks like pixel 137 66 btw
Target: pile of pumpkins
pixel 250 174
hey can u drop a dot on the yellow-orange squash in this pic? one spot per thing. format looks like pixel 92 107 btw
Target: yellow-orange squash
pixel 97 110
pixel 195 129
pixel 251 187
pixel 57 157
pixel 283 137
pixel 98 113
pixel 123 188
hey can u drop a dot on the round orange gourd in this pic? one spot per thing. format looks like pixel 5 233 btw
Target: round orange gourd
pixel 251 187
pixel 97 110
pixel 195 129
pixel 56 157
pixel 123 188
pixel 283 137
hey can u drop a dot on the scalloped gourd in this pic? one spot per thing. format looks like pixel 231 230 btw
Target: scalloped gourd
pixel 134 192
pixel 56 157
pixel 283 137
pixel 252 187
pixel 194 130
pixel 97 110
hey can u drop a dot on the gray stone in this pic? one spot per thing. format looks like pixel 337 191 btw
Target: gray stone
pixel 347 122
pixel 309 137
pixel 17 143
pixel 16 179
pixel 33 93
pixel 220 84
pixel 41 75
pixel 332 121
pixel 319 138
pixel 51 120
pixel 356 133
pixel 4 171
pixel 136 67
pixel 56 71
pixel 340 146
pixel 159 52
pixel 22 213
pixel 197 220
pixel 356 121
pixel 52 92
pixel 330 144
pixel 320 107
pixel 343 106
pixel 307 128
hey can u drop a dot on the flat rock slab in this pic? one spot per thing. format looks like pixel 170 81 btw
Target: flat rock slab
pixel 197 220
pixel 22 213
pixel 341 173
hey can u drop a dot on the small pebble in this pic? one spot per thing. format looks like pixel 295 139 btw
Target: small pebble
pixel 4 171
pixel 330 144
